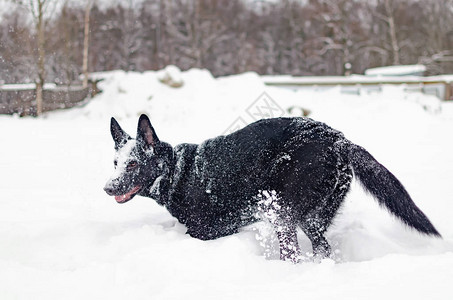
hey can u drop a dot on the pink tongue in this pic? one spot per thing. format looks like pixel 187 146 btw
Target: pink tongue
pixel 127 196
pixel 121 198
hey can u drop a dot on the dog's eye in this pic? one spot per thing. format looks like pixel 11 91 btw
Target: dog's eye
pixel 115 163
pixel 132 165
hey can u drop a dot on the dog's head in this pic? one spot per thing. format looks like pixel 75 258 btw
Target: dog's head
pixel 139 163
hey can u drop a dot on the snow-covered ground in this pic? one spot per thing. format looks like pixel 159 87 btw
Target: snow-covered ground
pixel 62 237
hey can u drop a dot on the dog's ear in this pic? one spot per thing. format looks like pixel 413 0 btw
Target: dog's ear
pixel 119 136
pixel 146 133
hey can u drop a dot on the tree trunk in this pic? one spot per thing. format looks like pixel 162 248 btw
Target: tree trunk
pixel 392 29
pixel 41 54
pixel 86 44
pixel 39 92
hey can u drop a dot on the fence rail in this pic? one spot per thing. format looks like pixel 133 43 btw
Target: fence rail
pixel 440 86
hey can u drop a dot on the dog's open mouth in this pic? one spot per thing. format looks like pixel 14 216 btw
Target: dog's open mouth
pixel 128 195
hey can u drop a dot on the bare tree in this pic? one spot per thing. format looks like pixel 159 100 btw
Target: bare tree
pixel 16 45
pixel 388 18
pixel 198 28
pixel 86 36
pixel 392 32
pixel 315 37
pixel 39 9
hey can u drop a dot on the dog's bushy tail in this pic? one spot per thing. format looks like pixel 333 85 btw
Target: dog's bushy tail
pixel 388 190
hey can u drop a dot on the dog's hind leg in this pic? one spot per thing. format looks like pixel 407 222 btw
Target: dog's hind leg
pixel 314 230
pixel 283 225
pixel 316 223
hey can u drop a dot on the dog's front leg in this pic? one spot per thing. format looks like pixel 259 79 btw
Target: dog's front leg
pixel 271 209
pixel 289 246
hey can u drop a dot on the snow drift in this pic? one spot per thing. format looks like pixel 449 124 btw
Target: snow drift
pixel 64 238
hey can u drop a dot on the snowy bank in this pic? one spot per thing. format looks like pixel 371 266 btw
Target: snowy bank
pixel 64 238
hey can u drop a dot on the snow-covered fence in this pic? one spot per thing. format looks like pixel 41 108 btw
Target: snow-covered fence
pixel 440 86
pixel 20 99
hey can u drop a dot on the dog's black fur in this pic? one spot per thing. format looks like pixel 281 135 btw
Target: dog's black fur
pixel 295 171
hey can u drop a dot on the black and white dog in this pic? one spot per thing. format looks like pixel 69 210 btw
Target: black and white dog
pixel 295 171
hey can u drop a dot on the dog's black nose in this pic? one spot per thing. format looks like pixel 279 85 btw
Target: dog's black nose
pixel 109 190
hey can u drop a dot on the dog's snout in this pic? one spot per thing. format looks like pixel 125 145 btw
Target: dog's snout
pixel 112 186
pixel 109 189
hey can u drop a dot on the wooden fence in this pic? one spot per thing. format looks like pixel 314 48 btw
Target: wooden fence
pixel 22 101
